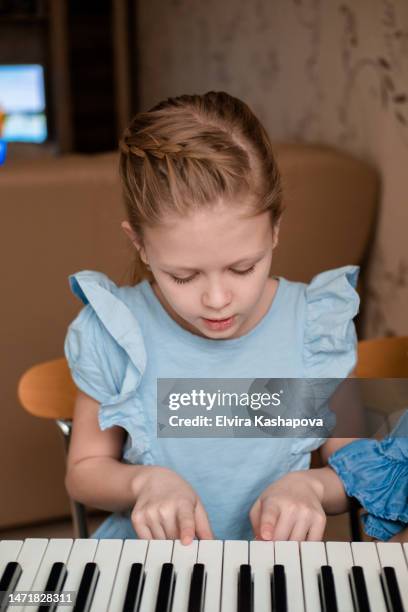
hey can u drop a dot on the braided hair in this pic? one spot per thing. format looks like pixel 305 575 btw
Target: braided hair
pixel 187 152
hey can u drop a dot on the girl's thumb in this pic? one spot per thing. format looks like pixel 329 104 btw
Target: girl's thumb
pixel 203 528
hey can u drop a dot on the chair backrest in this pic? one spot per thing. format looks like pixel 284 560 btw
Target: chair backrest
pixel 385 400
pixel 383 358
pixel 47 390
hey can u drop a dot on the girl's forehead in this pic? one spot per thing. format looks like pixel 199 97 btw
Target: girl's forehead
pixel 218 218
pixel 217 230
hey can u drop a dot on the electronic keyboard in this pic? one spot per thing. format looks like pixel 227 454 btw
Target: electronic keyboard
pixel 89 575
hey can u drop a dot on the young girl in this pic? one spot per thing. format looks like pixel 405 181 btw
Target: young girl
pixel 204 204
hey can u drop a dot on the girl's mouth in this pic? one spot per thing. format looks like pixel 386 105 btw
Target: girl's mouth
pixel 219 324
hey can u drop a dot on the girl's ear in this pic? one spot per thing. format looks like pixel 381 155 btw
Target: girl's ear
pixel 275 233
pixel 131 234
pixel 134 238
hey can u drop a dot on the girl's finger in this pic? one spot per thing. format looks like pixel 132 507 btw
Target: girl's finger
pixel 203 528
pixel 284 526
pixel 254 517
pixel 142 531
pixel 154 524
pixel 300 530
pixel 186 523
pixel 269 518
pixel 169 525
pixel 316 532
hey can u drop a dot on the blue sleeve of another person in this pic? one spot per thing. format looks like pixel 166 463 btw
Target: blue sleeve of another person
pixel 376 473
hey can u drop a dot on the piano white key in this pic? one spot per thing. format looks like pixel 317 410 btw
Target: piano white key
pixel 340 558
pixel 158 552
pixel 107 558
pixel 9 551
pixel 287 554
pixel 58 549
pixel 390 553
pixel 261 558
pixel 365 554
pixel 313 556
pixel 133 551
pixel 183 559
pixel 236 552
pixel 210 552
pixel 30 557
pixel 82 552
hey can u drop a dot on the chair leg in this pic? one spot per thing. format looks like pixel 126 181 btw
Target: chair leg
pixel 78 511
pixel 79 519
pixel 355 525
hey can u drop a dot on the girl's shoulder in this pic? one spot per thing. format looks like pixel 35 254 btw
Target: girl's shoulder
pixel 330 287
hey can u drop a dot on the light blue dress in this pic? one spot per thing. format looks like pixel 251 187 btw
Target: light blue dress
pixel 123 340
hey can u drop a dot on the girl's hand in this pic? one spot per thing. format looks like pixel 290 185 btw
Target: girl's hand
pixel 167 507
pixel 289 509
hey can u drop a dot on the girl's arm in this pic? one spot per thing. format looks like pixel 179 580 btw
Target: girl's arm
pixel 346 404
pixel 325 481
pixel 95 474
pixel 295 506
pixel 163 505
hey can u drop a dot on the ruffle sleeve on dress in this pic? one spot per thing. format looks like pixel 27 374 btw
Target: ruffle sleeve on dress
pixel 330 341
pixel 106 354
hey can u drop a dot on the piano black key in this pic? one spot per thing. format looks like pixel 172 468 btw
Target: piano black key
pixel 359 589
pixel 166 588
pixel 278 584
pixel 134 588
pixel 245 590
pixel 197 588
pixel 391 590
pixel 87 587
pixel 55 584
pixel 8 582
pixel 327 590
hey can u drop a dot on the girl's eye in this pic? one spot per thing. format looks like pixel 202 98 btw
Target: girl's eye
pixel 251 269
pixel 183 281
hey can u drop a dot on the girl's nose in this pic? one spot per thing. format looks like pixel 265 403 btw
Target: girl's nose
pixel 217 297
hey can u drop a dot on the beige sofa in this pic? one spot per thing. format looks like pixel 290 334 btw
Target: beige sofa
pixel 63 215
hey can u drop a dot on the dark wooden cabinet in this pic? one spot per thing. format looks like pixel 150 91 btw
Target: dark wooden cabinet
pixel 88 50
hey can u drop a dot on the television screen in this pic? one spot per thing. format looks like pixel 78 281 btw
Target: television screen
pixel 22 103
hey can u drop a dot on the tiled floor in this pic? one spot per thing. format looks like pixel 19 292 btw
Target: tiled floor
pixel 337 529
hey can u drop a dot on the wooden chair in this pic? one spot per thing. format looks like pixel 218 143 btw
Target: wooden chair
pixel 383 358
pixel 47 390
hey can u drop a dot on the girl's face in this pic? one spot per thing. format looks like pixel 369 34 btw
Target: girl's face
pixel 211 268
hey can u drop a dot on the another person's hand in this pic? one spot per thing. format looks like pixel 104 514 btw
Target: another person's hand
pixel 167 507
pixel 289 509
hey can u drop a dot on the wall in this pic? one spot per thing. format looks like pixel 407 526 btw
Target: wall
pixel 329 72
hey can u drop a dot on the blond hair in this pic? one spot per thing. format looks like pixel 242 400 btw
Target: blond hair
pixel 188 152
